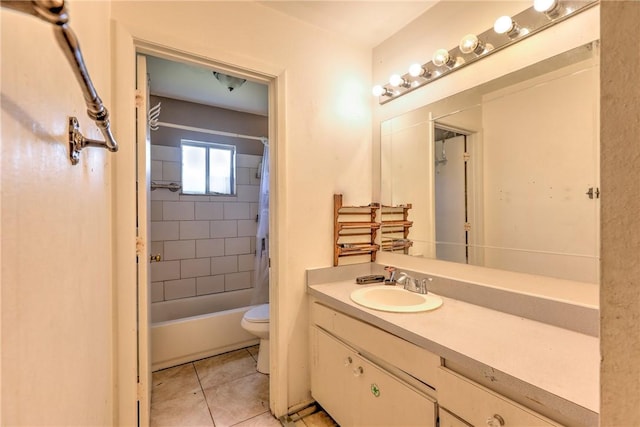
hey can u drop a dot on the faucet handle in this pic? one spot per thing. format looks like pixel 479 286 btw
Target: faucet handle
pixel 424 289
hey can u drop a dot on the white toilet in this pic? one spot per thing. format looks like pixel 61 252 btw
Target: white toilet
pixel 256 322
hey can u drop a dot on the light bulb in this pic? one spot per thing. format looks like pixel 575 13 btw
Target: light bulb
pixel 416 70
pixel 379 90
pixel 396 80
pixel 551 8
pixel 441 57
pixel 471 43
pixel 544 5
pixel 506 25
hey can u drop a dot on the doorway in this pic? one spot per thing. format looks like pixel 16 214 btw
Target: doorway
pixel 452 204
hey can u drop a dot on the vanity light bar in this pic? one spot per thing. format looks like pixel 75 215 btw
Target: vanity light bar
pixel 542 15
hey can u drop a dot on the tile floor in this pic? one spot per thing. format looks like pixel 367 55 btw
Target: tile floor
pixel 220 391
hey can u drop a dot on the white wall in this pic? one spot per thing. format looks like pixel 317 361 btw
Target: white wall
pixel 323 143
pixel 56 222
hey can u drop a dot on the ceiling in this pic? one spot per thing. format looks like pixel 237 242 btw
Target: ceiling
pixel 366 23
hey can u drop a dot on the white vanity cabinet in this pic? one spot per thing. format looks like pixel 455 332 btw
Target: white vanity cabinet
pixel 357 391
pixel 479 406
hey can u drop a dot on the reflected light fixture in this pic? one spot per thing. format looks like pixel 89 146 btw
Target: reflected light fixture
pixel 506 25
pixel 551 8
pixel 396 80
pixel 471 44
pixel 441 57
pixel 417 70
pixel 379 90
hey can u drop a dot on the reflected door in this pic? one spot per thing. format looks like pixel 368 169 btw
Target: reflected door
pixel 450 180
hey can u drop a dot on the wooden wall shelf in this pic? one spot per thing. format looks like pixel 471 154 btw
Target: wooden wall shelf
pixel 354 230
pixel 395 228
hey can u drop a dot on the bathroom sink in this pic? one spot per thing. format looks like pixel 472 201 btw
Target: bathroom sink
pixel 395 299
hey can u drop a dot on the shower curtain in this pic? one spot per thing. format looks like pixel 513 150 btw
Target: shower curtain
pixel 261 268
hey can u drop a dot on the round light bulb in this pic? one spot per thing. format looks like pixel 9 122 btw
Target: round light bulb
pixel 503 25
pixel 471 43
pixel 440 57
pixel 544 5
pixel 396 80
pixel 378 90
pixel 416 70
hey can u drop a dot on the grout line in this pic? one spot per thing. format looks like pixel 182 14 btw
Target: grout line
pixel 204 396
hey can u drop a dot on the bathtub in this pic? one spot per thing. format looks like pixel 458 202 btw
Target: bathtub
pixel 189 329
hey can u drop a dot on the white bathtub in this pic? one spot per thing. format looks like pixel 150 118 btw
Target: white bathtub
pixel 189 329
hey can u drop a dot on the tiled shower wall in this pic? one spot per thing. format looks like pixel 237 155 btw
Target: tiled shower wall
pixel 207 243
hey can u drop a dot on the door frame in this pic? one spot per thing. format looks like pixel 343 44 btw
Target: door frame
pixel 126 47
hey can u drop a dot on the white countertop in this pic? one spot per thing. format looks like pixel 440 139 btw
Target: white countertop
pixel 559 361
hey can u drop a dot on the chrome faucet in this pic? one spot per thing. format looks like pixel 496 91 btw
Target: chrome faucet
pixel 412 284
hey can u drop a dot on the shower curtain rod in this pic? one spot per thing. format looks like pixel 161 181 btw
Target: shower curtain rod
pixel 213 132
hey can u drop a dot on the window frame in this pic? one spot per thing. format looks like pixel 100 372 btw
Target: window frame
pixel 207 146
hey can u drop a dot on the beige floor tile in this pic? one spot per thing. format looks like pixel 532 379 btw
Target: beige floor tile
pixel 187 410
pixel 238 400
pixel 319 419
pixel 172 383
pixel 262 420
pixel 217 370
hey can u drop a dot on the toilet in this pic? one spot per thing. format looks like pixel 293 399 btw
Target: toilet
pixel 256 322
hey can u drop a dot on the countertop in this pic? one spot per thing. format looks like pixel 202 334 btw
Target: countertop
pixel 559 361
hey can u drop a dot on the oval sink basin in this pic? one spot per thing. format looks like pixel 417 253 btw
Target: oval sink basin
pixel 395 299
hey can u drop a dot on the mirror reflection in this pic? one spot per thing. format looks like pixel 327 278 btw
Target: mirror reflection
pixel 504 175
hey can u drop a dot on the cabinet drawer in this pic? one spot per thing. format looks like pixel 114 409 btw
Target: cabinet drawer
pixel 402 354
pixel 449 420
pixel 477 404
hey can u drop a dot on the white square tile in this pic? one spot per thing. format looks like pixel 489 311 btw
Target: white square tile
pixel 227 228
pixel 179 249
pixel 165 153
pixel 194 230
pixel 246 262
pixel 239 210
pixel 195 267
pixel 194 198
pixel 210 285
pixel 183 288
pixel 243 176
pixel 209 210
pixel 247 227
pixel 164 194
pixel 165 270
pixel 157 291
pixel 209 248
pixel 178 211
pixel 236 246
pixel 247 160
pixel 224 265
pixel 156 210
pixel 156 170
pixel 164 230
pixel 248 193
pixel 171 171
pixel 253 177
pixel 254 208
pixel 235 281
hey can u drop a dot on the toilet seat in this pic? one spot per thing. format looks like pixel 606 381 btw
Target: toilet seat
pixel 259 314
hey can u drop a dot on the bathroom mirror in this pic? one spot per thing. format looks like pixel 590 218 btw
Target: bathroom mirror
pixel 504 175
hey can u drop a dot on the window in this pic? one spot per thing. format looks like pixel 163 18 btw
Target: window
pixel 208 168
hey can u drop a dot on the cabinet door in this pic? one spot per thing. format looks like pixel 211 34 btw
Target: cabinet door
pixel 385 401
pixel 332 382
pixel 356 392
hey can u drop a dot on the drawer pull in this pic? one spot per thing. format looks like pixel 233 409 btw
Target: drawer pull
pixel 348 361
pixel 495 421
